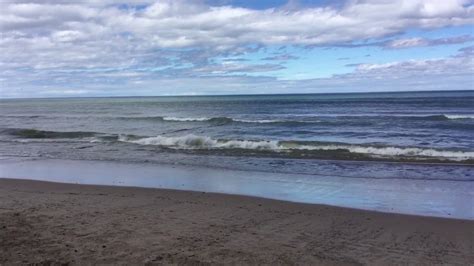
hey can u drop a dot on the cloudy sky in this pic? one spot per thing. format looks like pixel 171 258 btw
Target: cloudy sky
pixel 161 47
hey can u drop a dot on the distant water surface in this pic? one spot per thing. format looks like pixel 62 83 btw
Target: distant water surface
pixel 406 127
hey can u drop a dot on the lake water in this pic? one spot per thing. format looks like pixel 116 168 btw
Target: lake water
pixel 411 136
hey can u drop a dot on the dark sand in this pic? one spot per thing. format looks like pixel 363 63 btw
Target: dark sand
pixel 44 222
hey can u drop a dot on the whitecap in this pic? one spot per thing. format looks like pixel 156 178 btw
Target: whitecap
pixel 456 117
pixel 203 142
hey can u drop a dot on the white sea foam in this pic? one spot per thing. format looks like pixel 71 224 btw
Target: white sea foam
pixel 263 121
pixel 199 142
pixel 205 119
pixel 397 151
pixel 459 116
pixel 203 142
pixel 267 121
pixel 186 119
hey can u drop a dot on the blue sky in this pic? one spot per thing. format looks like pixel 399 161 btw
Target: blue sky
pixel 148 47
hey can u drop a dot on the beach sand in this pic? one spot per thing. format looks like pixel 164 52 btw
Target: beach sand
pixel 43 222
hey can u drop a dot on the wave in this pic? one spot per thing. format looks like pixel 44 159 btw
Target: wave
pixel 401 116
pixel 339 118
pixel 272 121
pixel 436 117
pixel 459 117
pixel 193 142
pixel 292 149
pixel 442 117
pixel 178 119
pixel 44 134
pixel 187 119
pixel 220 120
pixel 22 116
pixel 198 142
pixel 26 134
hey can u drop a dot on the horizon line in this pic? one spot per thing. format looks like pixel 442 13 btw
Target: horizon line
pixel 227 95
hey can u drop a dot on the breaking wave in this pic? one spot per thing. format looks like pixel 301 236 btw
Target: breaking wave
pixel 191 142
pixel 459 117
pixel 290 121
pixel 336 118
pixel 44 134
pixel 442 117
pixel 223 120
pixel 26 134
pixel 439 117
pixel 198 142
pixel 241 147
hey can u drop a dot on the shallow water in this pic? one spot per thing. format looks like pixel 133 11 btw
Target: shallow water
pixel 441 198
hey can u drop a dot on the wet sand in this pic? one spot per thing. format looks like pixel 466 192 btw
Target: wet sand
pixel 438 198
pixel 43 222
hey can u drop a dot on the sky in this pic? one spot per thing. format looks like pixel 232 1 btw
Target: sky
pixel 183 47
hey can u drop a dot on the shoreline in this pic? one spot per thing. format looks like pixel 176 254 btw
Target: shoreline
pixel 439 198
pixel 256 198
pixel 218 194
pixel 69 223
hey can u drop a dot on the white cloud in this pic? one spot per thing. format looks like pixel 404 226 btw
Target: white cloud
pixel 431 74
pixel 460 64
pixel 51 29
pixel 405 43
pixel 91 42
pixel 179 23
pixel 420 42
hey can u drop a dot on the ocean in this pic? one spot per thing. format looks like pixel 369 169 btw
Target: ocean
pixel 391 136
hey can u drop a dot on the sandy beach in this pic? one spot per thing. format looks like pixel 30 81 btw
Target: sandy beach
pixel 43 222
pixel 237 132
